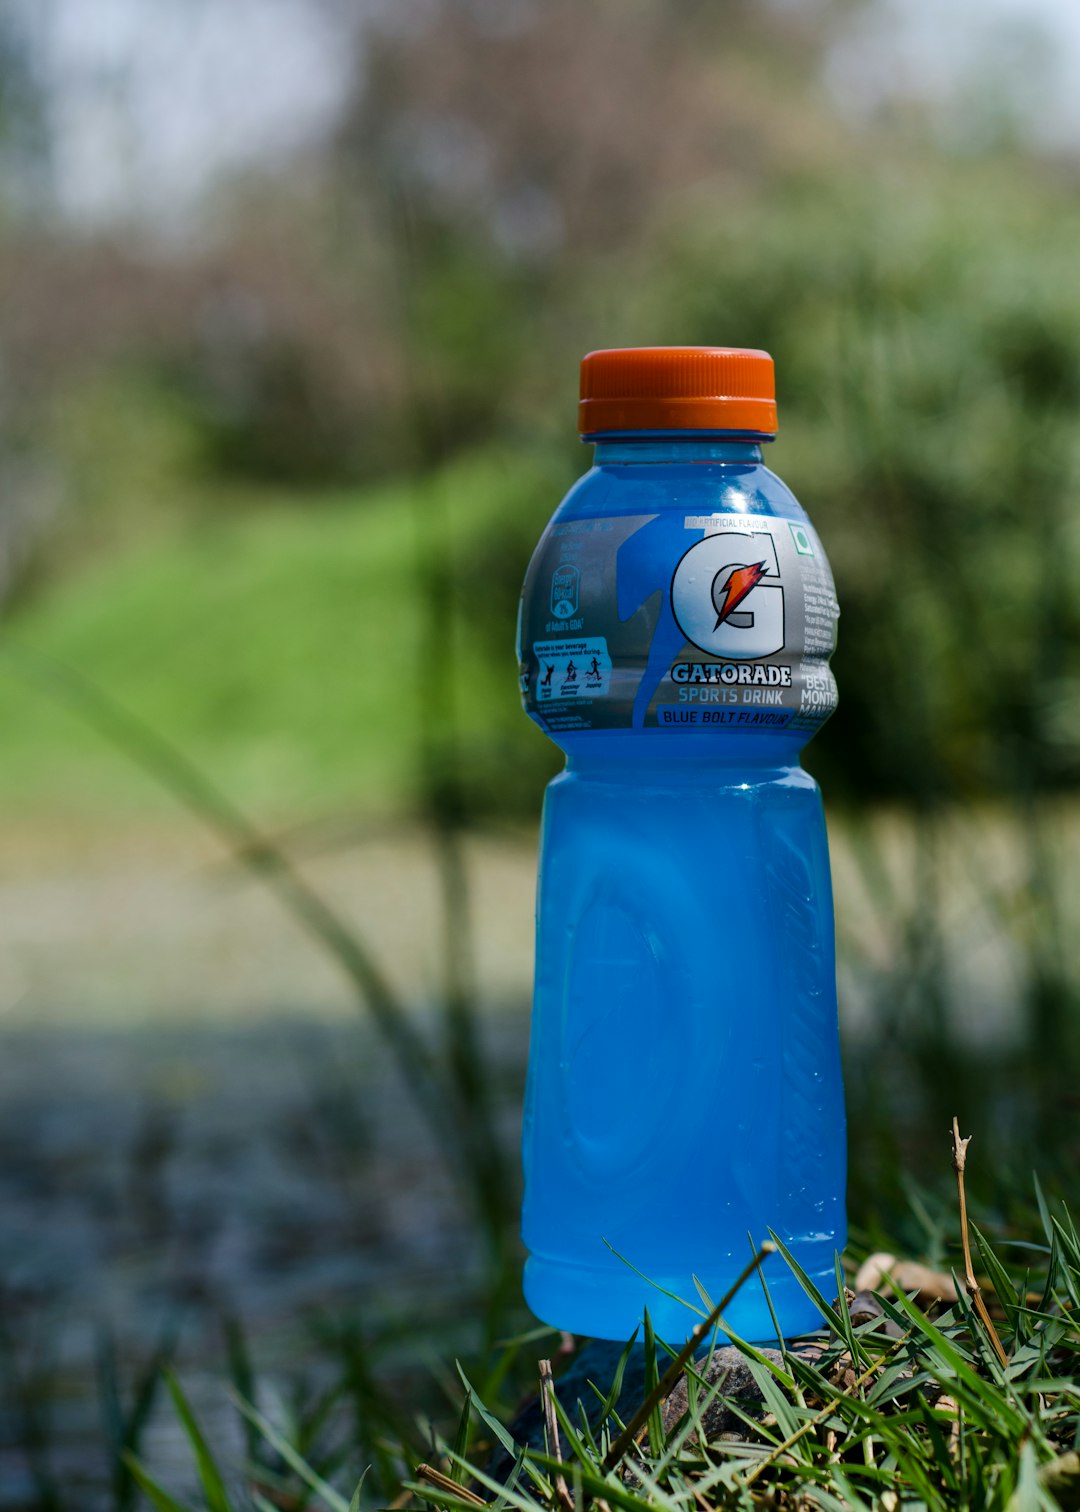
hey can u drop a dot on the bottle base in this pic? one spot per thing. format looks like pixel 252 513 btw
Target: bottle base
pixel 602 1304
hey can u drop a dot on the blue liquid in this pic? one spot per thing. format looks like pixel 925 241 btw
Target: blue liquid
pixel 684 1094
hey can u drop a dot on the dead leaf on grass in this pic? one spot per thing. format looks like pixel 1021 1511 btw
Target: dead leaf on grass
pixel 882 1272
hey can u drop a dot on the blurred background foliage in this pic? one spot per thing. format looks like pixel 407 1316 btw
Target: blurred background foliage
pixel 400 310
pixel 294 293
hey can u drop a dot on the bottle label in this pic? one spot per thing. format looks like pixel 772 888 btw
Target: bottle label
pixel 678 622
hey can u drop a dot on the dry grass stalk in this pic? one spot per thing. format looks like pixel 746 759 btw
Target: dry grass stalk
pixel 443 1483
pixel 974 1290
pixel 551 1424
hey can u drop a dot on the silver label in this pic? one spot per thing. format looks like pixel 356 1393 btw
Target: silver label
pixel 678 622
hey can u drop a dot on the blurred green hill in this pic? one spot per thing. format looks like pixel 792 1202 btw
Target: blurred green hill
pixel 280 644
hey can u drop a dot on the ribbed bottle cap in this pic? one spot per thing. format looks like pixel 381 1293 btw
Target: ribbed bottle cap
pixel 677 388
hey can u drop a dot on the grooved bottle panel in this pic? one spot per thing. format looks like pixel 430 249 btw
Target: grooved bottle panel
pixel 684 1044
pixel 612 1005
pixel 813 1151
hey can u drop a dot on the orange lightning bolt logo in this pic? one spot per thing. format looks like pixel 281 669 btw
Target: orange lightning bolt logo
pixel 739 582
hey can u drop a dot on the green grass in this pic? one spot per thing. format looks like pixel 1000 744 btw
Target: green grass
pixel 282 647
pixel 913 1408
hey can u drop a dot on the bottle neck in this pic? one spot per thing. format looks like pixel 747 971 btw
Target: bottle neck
pixel 675 446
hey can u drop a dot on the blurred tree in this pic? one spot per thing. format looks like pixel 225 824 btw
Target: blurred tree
pixel 24 154
pixel 929 383
pixel 504 159
pixel 28 494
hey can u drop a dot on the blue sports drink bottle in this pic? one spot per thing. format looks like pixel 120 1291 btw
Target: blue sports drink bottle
pixel 684 1093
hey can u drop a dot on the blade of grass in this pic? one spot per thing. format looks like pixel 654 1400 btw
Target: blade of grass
pixel 462 1435
pixel 653 1397
pixel 608 1402
pixel 828 1313
pixel 672 1296
pixel 354 1503
pixel 209 1475
pixel 238 1363
pixel 296 1462
pixel 768 1298
pixel 124 1426
pixel 155 1494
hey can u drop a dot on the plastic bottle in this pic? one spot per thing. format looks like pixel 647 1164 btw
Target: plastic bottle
pixel 684 1091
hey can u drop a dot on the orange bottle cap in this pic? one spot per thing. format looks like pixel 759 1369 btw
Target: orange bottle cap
pixel 677 388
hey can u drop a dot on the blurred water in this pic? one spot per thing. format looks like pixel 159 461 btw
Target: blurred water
pixel 163 1178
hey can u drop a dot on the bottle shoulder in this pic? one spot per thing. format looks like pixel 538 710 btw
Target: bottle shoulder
pixel 684 598
pixel 738 488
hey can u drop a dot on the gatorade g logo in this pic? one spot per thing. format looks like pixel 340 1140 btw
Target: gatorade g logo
pixel 727 598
